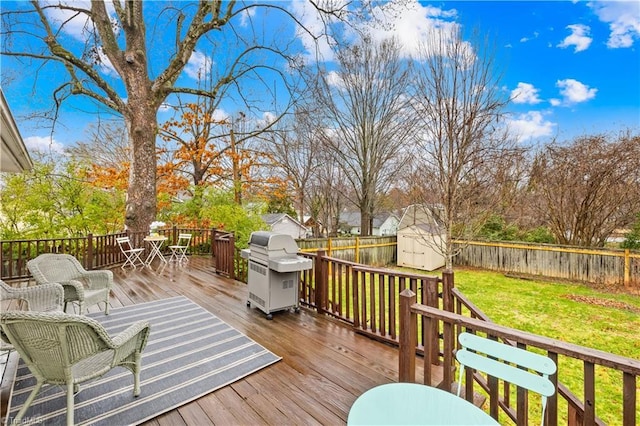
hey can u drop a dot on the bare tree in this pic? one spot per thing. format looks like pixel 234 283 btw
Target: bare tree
pixel 463 159
pixel 327 195
pixel 368 119
pixel 588 188
pixel 116 62
pixel 296 151
pixel 107 145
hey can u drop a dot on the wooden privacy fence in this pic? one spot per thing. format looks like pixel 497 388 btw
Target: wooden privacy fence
pixel 606 266
pixel 372 250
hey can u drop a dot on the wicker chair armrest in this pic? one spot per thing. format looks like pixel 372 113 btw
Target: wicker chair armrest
pixel 98 278
pixel 132 339
pixel 42 297
pixel 73 290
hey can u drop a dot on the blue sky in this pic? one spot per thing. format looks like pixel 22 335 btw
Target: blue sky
pixel 573 68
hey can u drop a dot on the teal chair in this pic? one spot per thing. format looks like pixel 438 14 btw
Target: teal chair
pixel 518 366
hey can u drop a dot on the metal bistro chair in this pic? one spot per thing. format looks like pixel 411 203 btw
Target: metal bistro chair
pixel 80 285
pixel 64 349
pixel 525 369
pixel 179 249
pixel 131 254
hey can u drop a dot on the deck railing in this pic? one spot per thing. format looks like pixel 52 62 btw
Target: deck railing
pixel 442 328
pixel 102 251
pixel 374 302
pixel 370 300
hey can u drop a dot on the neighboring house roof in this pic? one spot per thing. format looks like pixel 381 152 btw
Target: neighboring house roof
pixel 352 219
pixel 13 153
pixel 273 218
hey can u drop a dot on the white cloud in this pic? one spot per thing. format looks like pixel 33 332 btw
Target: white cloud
pixel 43 144
pixel 247 14
pixel 221 115
pixel 316 45
pixel 555 102
pixel 164 107
pixel 526 39
pixel 574 92
pixel 75 24
pixel 334 79
pixel 105 64
pixel 409 22
pixel 623 18
pixel 80 27
pixel 530 125
pixel 525 93
pixel 579 38
pixel 412 22
pixel 199 65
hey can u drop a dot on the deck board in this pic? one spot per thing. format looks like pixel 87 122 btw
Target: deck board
pixel 325 366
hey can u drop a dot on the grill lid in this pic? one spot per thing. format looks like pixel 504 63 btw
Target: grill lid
pixel 273 242
pixel 260 238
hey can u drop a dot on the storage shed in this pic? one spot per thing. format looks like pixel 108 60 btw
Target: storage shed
pixel 419 239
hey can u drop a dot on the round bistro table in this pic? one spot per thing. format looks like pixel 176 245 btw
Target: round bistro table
pixel 414 404
pixel 155 243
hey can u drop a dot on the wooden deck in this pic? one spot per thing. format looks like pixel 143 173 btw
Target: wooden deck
pixel 325 366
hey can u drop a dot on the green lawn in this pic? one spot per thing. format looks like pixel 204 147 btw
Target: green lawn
pixel 564 311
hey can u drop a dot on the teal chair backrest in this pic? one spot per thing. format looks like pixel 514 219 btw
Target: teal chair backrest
pixel 518 366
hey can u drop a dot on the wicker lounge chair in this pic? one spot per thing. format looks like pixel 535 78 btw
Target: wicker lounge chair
pixel 80 285
pixel 45 297
pixel 64 349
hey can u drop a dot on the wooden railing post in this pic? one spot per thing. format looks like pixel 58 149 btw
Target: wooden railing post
pixel 447 286
pixel 213 242
pixel 627 269
pixel 320 280
pixel 355 297
pixel 174 234
pixel 408 338
pixel 89 260
pixel 232 256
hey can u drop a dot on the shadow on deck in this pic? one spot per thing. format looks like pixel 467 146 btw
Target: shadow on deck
pixel 325 365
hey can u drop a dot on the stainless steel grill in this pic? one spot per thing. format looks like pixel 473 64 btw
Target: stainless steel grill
pixel 274 271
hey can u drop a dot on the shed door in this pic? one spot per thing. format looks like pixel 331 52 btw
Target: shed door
pixel 412 251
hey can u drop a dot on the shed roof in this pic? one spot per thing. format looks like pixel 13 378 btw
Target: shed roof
pixel 422 216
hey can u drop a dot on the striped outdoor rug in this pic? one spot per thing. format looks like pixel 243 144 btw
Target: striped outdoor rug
pixel 190 353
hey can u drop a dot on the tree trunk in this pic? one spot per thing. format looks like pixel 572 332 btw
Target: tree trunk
pixel 237 178
pixel 141 195
pixel 365 222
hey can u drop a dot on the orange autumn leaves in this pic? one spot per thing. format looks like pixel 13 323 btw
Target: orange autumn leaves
pixel 199 150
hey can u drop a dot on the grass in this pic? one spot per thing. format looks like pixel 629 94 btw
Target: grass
pixel 570 312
